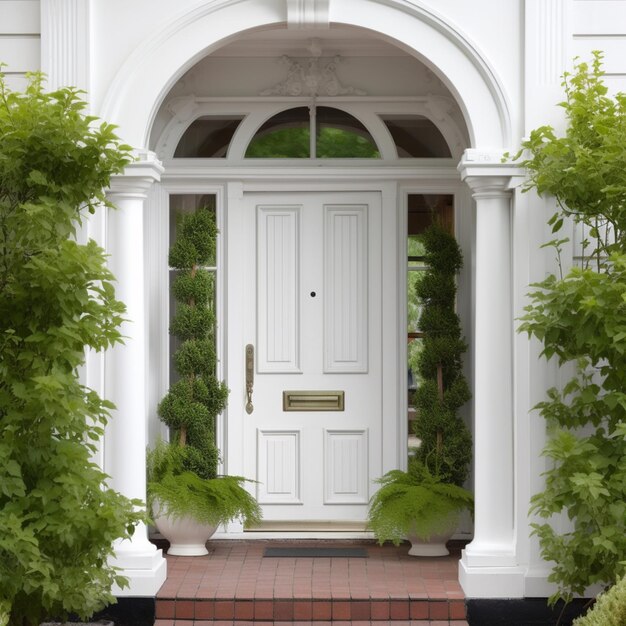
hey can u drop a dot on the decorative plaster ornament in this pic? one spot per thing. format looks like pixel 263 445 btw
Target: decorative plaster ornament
pixel 311 77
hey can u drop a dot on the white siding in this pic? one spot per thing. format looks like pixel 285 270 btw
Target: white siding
pixel 20 45
pixel 601 25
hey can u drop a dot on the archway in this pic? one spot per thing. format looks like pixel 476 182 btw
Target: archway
pixel 145 79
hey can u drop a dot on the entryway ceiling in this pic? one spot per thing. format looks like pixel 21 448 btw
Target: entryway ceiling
pixel 337 40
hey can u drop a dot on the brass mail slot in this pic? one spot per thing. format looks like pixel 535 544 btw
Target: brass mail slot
pixel 313 400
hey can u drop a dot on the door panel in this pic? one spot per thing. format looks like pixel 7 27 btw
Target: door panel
pixel 313 312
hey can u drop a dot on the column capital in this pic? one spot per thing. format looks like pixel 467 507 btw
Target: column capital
pixel 487 173
pixel 137 176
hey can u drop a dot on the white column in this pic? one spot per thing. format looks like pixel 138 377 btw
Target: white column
pixel 125 374
pixel 490 565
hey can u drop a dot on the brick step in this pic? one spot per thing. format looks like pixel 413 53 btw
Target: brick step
pixel 307 610
pixel 172 622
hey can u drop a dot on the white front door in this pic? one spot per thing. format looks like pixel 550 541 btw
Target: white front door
pixel 313 314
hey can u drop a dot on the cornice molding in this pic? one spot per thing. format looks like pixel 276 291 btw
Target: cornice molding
pixel 486 171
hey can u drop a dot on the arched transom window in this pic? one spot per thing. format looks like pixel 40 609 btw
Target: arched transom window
pixel 313 132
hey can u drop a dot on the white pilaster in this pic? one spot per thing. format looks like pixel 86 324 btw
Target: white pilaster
pixel 308 13
pixel 490 564
pixel 125 374
pixel 65 43
pixel 548 41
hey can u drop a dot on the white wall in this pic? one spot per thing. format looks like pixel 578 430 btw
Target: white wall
pixel 495 28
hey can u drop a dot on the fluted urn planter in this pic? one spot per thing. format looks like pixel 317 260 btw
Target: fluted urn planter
pixel 435 545
pixel 187 537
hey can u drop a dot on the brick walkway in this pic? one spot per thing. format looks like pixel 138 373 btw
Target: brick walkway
pixel 235 584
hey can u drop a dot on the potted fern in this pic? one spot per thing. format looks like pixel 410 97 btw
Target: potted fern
pixel 189 500
pixel 425 502
pixel 418 506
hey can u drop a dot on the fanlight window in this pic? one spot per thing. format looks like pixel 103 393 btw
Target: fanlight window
pixel 207 137
pixel 336 135
pixel 416 136
pixel 313 133
pixel 287 135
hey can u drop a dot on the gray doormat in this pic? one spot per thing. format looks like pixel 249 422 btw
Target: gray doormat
pixel 312 552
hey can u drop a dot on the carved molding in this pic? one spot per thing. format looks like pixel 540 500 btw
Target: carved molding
pixel 182 108
pixel 308 13
pixel 315 76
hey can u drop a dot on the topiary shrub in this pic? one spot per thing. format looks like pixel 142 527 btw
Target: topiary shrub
pixel 423 499
pixel 446 444
pixel 182 474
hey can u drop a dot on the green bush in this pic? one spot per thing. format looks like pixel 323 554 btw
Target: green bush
pixel 609 608
pixel 57 299
pixel 580 318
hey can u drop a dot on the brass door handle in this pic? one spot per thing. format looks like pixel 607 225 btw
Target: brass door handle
pixel 249 377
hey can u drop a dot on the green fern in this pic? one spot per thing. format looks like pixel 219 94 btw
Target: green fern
pixel 609 609
pixel 413 502
pixel 181 492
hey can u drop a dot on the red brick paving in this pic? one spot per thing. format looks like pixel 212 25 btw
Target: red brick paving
pixel 171 622
pixel 235 585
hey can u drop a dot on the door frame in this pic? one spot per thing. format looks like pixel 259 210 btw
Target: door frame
pixel 234 298
pixel 393 183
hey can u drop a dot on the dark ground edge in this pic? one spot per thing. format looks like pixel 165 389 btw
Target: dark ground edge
pixel 521 612
pixel 130 612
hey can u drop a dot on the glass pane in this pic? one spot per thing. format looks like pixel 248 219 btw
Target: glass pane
pixel 340 135
pixel 424 208
pixel 284 136
pixel 207 137
pixel 416 136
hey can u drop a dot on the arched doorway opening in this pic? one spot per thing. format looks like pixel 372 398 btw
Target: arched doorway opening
pixel 134 100
pixel 313 157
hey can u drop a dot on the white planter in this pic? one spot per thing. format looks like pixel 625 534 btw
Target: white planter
pixel 435 545
pixel 187 537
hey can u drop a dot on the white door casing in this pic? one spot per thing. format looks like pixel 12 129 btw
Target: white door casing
pixel 313 311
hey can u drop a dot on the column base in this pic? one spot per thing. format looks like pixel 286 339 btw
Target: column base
pixel 489 554
pixel 491 581
pixel 145 571
pixel 536 585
